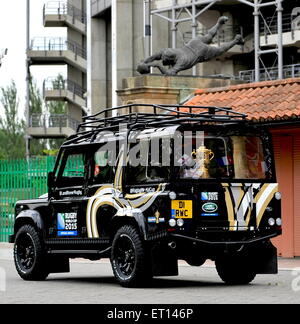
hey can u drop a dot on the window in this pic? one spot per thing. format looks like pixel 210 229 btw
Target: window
pixel 228 157
pixel 103 168
pixel 145 166
pixel 72 170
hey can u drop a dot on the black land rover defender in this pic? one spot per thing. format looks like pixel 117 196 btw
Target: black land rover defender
pixel 148 189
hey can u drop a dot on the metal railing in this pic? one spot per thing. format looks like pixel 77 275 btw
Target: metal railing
pixel 52 83
pixel 225 34
pixel 289 71
pixel 25 179
pixel 61 8
pixel 57 44
pixel 270 25
pixel 53 120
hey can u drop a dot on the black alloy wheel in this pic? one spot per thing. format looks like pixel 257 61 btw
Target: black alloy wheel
pixel 129 258
pixel 25 252
pixel 125 255
pixel 29 255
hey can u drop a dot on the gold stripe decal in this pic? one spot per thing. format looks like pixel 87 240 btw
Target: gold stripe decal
pixel 264 199
pixel 230 210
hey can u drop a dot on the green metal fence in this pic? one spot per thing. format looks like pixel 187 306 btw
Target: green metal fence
pixel 20 179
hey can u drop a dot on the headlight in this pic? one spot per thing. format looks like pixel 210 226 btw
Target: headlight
pixel 172 222
pixel 277 195
pixel 271 221
pixel 278 221
pixel 180 222
pixel 172 195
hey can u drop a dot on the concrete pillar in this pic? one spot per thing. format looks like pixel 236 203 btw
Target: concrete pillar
pixel 122 44
pixel 97 68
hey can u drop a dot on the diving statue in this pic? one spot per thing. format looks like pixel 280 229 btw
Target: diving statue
pixel 195 51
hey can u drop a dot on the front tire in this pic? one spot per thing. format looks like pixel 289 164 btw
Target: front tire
pixel 235 270
pixel 29 255
pixel 129 259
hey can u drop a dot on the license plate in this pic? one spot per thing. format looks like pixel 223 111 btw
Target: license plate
pixel 182 209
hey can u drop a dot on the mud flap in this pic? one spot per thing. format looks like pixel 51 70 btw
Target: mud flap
pixel 164 261
pixel 265 258
pixel 58 264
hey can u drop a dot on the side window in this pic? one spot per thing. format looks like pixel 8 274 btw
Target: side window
pixel 72 170
pixel 149 165
pixel 103 166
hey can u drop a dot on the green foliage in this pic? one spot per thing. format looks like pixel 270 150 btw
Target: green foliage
pixel 35 98
pixel 12 128
pixel 57 107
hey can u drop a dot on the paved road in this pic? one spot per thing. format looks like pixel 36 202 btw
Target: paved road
pixel 91 282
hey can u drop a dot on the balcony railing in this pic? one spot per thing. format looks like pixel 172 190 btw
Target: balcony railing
pixel 289 71
pixel 64 8
pixel 53 121
pixel 57 44
pixel 52 83
pixel 270 26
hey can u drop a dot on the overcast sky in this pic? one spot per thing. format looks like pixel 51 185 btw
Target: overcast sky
pixel 13 37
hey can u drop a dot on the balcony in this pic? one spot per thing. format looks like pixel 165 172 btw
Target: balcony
pixel 289 71
pixel 65 90
pixel 62 14
pixel 56 51
pixel 290 31
pixel 51 126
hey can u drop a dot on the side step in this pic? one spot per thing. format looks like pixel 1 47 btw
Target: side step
pixel 80 252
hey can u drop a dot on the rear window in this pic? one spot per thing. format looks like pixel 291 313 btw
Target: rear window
pixel 232 157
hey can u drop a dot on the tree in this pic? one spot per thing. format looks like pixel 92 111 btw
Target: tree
pixel 12 128
pixel 35 98
pixel 37 146
pixel 57 108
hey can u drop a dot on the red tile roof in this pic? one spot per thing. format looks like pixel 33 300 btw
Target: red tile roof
pixel 261 101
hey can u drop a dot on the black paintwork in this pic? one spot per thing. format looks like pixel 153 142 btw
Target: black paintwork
pixel 200 236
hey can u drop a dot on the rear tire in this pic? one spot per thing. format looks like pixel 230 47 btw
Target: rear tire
pixel 235 270
pixel 29 255
pixel 129 259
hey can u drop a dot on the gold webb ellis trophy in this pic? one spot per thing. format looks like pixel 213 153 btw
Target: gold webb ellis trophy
pixel 203 156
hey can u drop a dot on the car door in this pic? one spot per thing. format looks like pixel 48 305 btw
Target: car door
pixel 69 196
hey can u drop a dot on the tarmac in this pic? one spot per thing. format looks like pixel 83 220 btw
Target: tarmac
pixel 289 264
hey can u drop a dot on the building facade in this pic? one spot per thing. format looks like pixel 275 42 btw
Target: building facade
pixel 271 30
pixel 108 38
pixel 70 52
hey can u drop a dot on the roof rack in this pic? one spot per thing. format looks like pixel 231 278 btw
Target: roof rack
pixel 158 116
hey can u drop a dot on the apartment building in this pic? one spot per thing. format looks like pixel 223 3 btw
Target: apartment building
pixel 70 52
pixel 108 38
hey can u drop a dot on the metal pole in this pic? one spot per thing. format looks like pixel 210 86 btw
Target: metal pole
pixel 27 108
pixel 194 30
pixel 114 55
pixel 147 14
pixel 174 26
pixel 280 42
pixel 256 40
